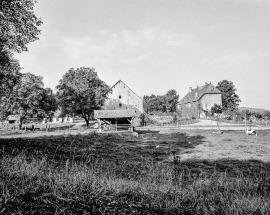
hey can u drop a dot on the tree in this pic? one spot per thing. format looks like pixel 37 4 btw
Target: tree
pixel 171 101
pixel 154 103
pixel 48 103
pixel 266 114
pixel 18 28
pixel 27 98
pixel 80 92
pixel 9 77
pixel 216 109
pixel 163 103
pixel 230 100
pixel 19 25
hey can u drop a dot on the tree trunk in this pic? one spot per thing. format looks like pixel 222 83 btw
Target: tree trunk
pixel 87 121
pixel 21 121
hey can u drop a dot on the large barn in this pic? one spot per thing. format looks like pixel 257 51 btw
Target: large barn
pixel 199 100
pixel 123 98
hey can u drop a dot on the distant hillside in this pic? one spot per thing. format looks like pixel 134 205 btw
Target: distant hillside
pixel 252 109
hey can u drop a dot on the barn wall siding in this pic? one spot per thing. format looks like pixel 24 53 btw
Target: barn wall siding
pixel 122 97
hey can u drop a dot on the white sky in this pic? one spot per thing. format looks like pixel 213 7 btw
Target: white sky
pixel 157 45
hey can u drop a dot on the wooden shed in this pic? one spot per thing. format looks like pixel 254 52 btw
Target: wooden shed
pixel 13 119
pixel 115 119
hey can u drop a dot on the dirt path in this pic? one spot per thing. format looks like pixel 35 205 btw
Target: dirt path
pixel 207 122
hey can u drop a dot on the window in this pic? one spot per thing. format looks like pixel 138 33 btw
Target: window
pixel 120 96
pixel 120 105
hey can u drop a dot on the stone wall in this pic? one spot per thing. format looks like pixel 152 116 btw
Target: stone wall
pixel 194 109
pixel 190 110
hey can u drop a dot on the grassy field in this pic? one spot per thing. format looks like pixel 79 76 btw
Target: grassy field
pixel 123 174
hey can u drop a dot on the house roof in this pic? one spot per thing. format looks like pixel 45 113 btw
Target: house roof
pixel 197 93
pixel 125 85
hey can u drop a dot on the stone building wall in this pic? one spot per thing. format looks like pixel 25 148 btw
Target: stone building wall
pixel 208 101
pixel 194 109
pixel 190 110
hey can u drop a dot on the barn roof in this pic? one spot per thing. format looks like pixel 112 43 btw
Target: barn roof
pixel 197 93
pixel 107 114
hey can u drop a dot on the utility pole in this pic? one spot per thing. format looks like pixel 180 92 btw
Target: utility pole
pixel 245 119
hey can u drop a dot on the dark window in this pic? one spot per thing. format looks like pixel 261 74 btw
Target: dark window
pixel 120 96
pixel 120 105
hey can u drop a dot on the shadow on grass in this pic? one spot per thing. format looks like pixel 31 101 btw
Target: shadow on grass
pixel 232 167
pixel 146 131
pixel 155 146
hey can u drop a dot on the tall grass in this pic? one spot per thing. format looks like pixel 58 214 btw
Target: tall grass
pixel 67 180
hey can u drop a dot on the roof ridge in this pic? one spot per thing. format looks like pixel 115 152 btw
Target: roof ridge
pixel 201 91
pixel 126 85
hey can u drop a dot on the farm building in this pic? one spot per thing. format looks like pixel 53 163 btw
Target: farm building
pixel 199 100
pixel 116 119
pixel 13 119
pixel 123 98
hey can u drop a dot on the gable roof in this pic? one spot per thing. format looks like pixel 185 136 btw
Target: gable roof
pixel 125 85
pixel 107 114
pixel 197 93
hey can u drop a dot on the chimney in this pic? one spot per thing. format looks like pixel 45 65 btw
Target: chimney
pixel 206 83
pixel 190 89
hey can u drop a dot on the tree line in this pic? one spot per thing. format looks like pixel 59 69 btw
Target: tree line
pixel 79 93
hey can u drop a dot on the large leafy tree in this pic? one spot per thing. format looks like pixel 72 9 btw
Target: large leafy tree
pixel 80 92
pixel 154 103
pixel 9 77
pixel 48 103
pixel 230 100
pixel 28 98
pixel 18 28
pixel 172 99
pixel 163 103
pixel 19 25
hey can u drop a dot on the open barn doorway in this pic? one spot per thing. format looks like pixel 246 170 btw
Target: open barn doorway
pixel 115 119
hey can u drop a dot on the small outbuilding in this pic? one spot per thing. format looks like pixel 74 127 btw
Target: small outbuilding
pixel 13 119
pixel 116 119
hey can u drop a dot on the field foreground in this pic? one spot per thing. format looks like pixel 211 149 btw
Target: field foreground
pixel 192 172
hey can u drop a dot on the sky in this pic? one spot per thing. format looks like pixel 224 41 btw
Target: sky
pixel 157 45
